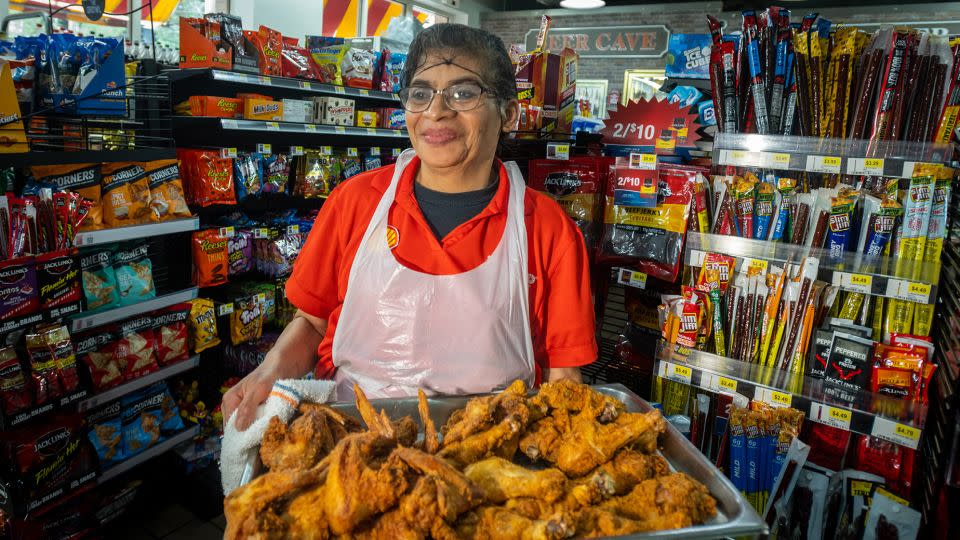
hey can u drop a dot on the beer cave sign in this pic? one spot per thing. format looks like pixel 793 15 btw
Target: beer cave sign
pixel 641 41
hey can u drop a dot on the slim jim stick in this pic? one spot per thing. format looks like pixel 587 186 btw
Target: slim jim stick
pixel 940 75
pixel 864 98
pixel 889 85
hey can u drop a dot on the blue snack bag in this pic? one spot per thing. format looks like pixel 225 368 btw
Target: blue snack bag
pixel 134 272
pixel 141 421
pixel 99 280
pixel 106 433
pixel 248 169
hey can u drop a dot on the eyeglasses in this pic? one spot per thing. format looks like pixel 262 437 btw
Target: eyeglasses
pixel 458 97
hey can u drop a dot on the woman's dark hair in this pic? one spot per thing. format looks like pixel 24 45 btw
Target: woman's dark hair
pixel 452 40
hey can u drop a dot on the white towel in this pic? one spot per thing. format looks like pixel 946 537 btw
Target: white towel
pixel 239 447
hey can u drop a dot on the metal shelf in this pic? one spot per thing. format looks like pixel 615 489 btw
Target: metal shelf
pixel 133 232
pixel 285 83
pixel 17 419
pixel 85 156
pixel 84 321
pixel 308 129
pixel 138 383
pixel 160 448
pixel 200 130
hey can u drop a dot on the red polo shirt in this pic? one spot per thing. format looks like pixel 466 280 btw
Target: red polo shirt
pixel 561 309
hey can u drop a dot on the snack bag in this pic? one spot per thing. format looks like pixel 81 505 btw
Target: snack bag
pixel 320 174
pixel 97 349
pixel 209 177
pixel 575 185
pixel 357 68
pixel 350 166
pixel 53 362
pixel 141 419
pixel 126 192
pixel 18 296
pixel 170 421
pixel 240 252
pixel 81 178
pixel 170 333
pixel 106 433
pixel 328 60
pixel 269 44
pixel 58 278
pixel 134 272
pixel 203 325
pixel 136 347
pixel 210 258
pixel 246 321
pixel 297 63
pixel 14 393
pixel 99 280
pixel 276 168
pixel 392 70
pixel 166 189
pixel 248 168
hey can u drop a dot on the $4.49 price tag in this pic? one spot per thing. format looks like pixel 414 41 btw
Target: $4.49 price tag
pixel 860 283
pixel 559 151
pixel 831 416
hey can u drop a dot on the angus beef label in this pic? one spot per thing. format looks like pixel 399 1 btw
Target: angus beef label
pixel 641 41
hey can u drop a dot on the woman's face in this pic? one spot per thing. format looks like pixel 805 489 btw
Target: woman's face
pixel 445 138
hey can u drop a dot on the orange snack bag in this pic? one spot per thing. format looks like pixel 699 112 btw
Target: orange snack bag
pixel 166 189
pixel 210 258
pixel 126 195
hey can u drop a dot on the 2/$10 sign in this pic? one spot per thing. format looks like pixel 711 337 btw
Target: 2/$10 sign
pixel 640 41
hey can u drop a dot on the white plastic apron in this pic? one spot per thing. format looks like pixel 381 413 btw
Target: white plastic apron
pixel 400 330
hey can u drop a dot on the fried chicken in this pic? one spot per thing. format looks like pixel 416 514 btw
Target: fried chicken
pixel 482 444
pixel 253 510
pixel 577 397
pixel 629 467
pixel 500 480
pixel 497 523
pixel 431 444
pixel 482 413
pixel 306 440
pixel 672 495
pixel 306 517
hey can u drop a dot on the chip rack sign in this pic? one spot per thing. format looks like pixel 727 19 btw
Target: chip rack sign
pixel 639 41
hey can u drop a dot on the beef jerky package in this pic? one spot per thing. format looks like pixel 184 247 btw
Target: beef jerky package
pixel 58 277
pixel 849 367
pixel 52 357
pixel 855 490
pixel 97 350
pixel 892 462
pixel 807 505
pixel 81 178
pixel 99 280
pixel 819 353
pixel 575 184
pixel 18 288
pixel 647 229
pixel 106 433
pixel 15 395
pixel 47 460
pixel 890 517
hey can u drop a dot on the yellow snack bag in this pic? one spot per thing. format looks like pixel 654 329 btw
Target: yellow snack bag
pixel 203 325
pixel 166 189
pixel 126 195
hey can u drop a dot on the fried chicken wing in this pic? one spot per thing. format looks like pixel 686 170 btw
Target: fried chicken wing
pixel 306 517
pixel 431 444
pixel 497 523
pixel 500 480
pixel 589 444
pixel 664 496
pixel 596 522
pixel 252 510
pixel 482 413
pixel 629 467
pixel 299 445
pixel 578 397
pixel 482 444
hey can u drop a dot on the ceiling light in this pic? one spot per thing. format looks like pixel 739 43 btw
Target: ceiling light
pixel 582 4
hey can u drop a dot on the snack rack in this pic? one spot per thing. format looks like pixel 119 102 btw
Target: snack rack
pixel 819 161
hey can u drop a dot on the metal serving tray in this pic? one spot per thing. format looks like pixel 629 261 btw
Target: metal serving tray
pixel 735 517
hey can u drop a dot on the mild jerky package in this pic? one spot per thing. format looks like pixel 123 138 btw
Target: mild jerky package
pixel 134 272
pixel 203 325
pixel 136 347
pixel 849 367
pixel 99 280
pixel 58 278
pixel 106 433
pixel 246 321
pixel 575 184
pixel 650 236
pixel 126 195
pixel 166 189
pixel 82 178
pixel 890 517
pixel 170 334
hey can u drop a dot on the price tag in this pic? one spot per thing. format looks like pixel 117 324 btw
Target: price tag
pixel 918 292
pixel 227 232
pixel 351 152
pixel 293 229
pixel 727 384
pixel 266 81
pixel 860 283
pixel 229 124
pixel 339 129
pixel 632 278
pixel 774 398
pixel 395 152
pixel 643 161
pixel 339 90
pixel 326 151
pixel 757 264
pixel 678 373
pixel 225 309
pixel 265 148
pixel 364 92
pixel 895 432
pixel 228 153
pixel 273 126
pixel 720 384
pixel 261 298
pixel 778 161
pixel 831 416
pixel 558 151
pixel 306 85
pixel 372 131
pixel 296 150
pixel 865 166
pixel 823 164
pixel 742 157
pixel 261 232
pixel 375 150
pixel 310 128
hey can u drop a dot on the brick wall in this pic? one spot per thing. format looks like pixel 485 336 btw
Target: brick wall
pixel 681 18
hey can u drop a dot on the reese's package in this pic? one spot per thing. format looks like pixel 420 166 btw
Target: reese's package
pixel 83 178
pixel 166 189
pixel 99 280
pixel 134 272
pixel 210 258
pixel 106 433
pixel 126 194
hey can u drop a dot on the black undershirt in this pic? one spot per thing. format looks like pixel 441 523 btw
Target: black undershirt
pixel 445 212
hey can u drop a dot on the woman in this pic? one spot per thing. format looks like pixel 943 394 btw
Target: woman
pixel 442 271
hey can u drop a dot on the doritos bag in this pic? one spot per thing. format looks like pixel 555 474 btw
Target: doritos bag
pixel 81 178
pixel 166 189
pixel 126 193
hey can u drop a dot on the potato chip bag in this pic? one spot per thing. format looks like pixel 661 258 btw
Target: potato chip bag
pixel 203 325
pixel 166 189
pixel 134 272
pixel 170 331
pixel 97 349
pixel 83 178
pixel 136 347
pixel 106 433
pixel 210 258
pixel 126 195
pixel 99 280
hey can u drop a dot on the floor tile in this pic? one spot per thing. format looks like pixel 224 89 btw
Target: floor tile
pixel 167 519
pixel 198 530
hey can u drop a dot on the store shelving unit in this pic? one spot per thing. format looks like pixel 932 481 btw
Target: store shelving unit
pixel 142 382
pixel 135 232
pixel 263 82
pixel 198 131
pixel 85 320
pixel 156 450
pixel 87 156
pixel 41 410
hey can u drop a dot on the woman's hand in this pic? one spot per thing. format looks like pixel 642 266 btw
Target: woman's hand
pixel 557 374
pixel 293 355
